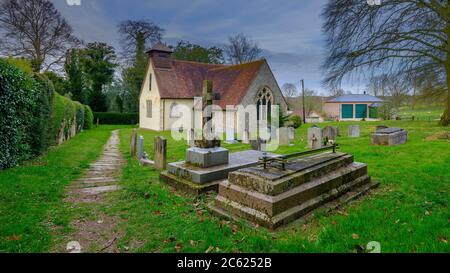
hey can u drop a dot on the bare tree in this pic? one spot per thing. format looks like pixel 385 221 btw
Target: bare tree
pixel 396 37
pixel 36 30
pixel 289 90
pixel 241 49
pixel 132 31
pixel 336 92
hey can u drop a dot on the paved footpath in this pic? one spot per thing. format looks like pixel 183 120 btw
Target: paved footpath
pixel 96 233
pixel 101 176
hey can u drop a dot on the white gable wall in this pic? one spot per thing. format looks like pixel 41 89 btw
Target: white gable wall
pixel 155 122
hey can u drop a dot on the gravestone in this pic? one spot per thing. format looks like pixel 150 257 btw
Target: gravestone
pixel 283 136
pixel 191 138
pixel 275 194
pixel 258 144
pixel 330 133
pixel 246 137
pixel 291 134
pixel 140 148
pixel 230 136
pixel 314 137
pixel 133 143
pixel 353 131
pixel 389 137
pixel 160 153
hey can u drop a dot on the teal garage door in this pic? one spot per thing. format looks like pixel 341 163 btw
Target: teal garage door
pixel 361 111
pixel 347 111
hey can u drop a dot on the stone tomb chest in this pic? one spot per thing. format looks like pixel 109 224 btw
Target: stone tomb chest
pixel 389 137
pixel 275 196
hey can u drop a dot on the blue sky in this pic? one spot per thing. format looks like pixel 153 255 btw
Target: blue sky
pixel 288 31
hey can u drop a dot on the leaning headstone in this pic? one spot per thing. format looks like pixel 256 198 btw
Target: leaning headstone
pixel 353 131
pixel 314 137
pixel 283 136
pixel 330 133
pixel 133 143
pixel 160 153
pixel 140 148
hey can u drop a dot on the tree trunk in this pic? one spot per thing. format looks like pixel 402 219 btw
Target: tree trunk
pixel 445 119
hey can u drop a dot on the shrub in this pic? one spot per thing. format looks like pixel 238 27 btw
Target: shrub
pixel 116 118
pixel 42 114
pixel 33 116
pixel 17 104
pixel 295 121
pixel 88 117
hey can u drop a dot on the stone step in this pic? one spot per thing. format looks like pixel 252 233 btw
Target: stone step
pixel 273 182
pixel 99 190
pixel 329 200
pixel 95 180
pixel 273 205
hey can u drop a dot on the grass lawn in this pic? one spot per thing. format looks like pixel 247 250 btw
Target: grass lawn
pixel 422 112
pixel 408 213
pixel 31 195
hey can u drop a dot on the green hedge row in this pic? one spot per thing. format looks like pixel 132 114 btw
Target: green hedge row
pixel 33 116
pixel 116 118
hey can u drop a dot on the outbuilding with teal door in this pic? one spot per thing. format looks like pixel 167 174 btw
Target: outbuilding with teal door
pixel 353 107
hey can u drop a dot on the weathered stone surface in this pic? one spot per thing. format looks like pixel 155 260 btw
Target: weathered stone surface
pixel 133 143
pixel 140 148
pixel 101 176
pixel 353 131
pixel 206 175
pixel 208 157
pixel 191 138
pixel 330 133
pixel 314 137
pixel 257 144
pixel 283 136
pixel 246 137
pixel 389 137
pixel 160 153
pixel 381 127
pixel 273 197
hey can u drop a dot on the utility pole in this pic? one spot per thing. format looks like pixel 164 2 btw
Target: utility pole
pixel 303 101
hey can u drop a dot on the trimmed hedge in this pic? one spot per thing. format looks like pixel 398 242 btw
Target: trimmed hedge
pixel 116 118
pixel 33 116
pixel 18 102
pixel 88 117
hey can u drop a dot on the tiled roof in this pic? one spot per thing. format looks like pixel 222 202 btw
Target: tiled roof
pixel 183 80
pixel 356 98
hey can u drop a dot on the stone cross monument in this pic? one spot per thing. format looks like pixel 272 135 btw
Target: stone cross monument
pixel 207 140
pixel 207 151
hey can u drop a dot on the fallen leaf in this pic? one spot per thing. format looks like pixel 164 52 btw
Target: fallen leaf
pixel 14 237
pixel 192 242
pixel 355 236
pixel 179 247
pixel 157 212
pixel 146 195
pixel 209 249
pixel 444 240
